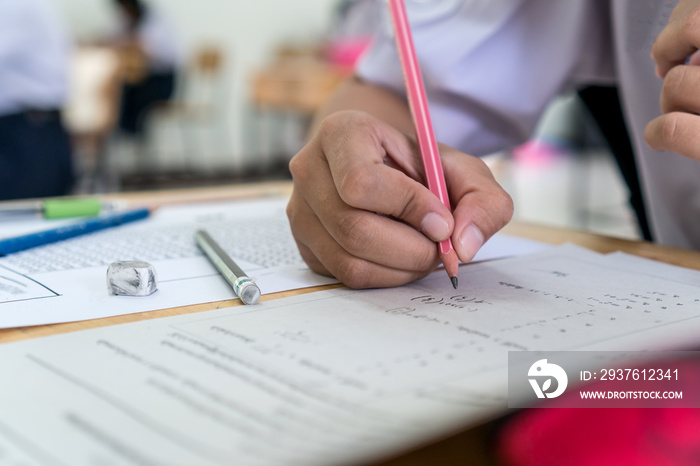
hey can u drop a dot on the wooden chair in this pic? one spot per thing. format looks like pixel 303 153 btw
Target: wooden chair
pixel 199 103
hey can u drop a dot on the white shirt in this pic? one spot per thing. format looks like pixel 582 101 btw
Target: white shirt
pixel 34 54
pixel 491 67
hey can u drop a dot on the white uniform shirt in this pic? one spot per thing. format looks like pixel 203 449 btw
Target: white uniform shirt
pixel 491 67
pixel 34 54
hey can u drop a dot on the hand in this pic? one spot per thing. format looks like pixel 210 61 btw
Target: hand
pixel 677 130
pixel 360 212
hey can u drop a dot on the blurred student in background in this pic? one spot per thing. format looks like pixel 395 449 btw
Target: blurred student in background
pixel 353 26
pixel 35 150
pixel 151 57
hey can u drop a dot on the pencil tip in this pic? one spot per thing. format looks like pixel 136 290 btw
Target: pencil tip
pixel 454 282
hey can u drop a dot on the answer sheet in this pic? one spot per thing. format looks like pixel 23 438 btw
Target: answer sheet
pixel 332 377
pixel 66 281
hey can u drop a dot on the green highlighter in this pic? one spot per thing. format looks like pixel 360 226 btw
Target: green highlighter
pixel 56 208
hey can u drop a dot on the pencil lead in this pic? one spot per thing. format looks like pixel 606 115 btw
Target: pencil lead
pixel 454 281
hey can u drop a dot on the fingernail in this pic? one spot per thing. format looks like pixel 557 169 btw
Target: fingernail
pixel 470 241
pixel 435 227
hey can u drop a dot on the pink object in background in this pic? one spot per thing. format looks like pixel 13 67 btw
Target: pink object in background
pixel 537 152
pixel 661 436
pixel 347 51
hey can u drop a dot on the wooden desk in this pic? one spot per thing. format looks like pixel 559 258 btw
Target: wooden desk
pixel 469 444
pixel 472 445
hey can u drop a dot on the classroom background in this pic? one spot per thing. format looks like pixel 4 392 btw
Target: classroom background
pixel 252 75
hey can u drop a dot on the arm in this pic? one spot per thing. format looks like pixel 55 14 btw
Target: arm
pixel 360 211
pixel 355 94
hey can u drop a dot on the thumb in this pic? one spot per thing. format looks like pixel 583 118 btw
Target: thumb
pixel 481 209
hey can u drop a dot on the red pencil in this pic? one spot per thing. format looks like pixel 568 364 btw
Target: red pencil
pixel 427 143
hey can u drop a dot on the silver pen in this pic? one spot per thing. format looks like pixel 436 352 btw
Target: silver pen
pixel 244 287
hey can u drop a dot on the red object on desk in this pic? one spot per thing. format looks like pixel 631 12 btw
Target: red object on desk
pixel 605 437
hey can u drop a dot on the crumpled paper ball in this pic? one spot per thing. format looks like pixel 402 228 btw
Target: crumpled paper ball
pixel 131 278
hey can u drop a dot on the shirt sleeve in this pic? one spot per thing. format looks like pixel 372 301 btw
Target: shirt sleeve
pixel 491 67
pixel 34 54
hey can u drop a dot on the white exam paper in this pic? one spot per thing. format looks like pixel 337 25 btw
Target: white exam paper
pixel 333 377
pixel 66 281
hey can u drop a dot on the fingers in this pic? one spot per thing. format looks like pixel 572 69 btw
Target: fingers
pixel 676 129
pixel 343 228
pixel 361 233
pixel 378 171
pixel 481 206
pixel 679 39
pixel 325 256
pixel 359 211
pixel 681 90
pixel 694 59
pixel 675 132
